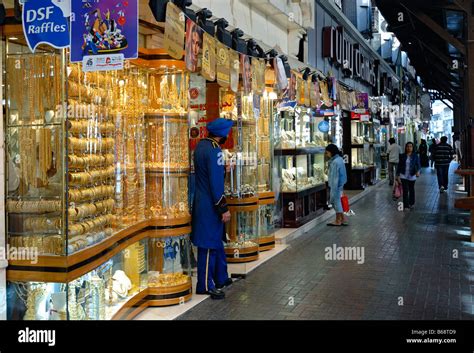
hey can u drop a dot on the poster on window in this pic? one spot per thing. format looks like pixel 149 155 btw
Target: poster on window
pixel 103 27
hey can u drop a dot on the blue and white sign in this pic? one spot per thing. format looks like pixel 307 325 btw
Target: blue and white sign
pixel 323 126
pixel 46 22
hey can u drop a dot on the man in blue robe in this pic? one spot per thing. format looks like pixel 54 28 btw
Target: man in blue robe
pixel 210 211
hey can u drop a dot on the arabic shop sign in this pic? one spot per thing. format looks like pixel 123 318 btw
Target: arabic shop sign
pixel 342 52
pixel 45 22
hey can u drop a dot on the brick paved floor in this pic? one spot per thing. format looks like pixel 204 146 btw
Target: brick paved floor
pixel 408 257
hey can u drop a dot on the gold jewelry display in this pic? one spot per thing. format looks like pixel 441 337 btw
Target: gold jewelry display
pixel 42 224
pixel 27 143
pixel 42 206
pixel 168 280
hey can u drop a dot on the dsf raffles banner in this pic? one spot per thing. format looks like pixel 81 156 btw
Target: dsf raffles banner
pixel 45 22
pixel 102 27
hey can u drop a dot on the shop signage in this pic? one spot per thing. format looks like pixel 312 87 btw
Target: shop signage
pixel 46 22
pixel 104 27
pixel 103 62
pixel 344 53
pixel 174 31
pixel 323 126
pixel 223 65
pixel 362 103
pixel 360 116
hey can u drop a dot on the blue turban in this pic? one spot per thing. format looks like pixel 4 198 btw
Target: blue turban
pixel 220 127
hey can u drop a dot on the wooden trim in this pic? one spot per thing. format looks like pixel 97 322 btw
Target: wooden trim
pixel 267 201
pixel 249 250
pixel 156 222
pixel 268 239
pixel 12 30
pixel 243 208
pixel 465 203
pixel 36 276
pixel 266 195
pixel 242 259
pixel 130 303
pixel 160 63
pixel 166 233
pixel 266 247
pixel 167 302
pixel 242 201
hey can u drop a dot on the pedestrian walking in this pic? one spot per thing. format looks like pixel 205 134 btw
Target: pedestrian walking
pixel 408 170
pixel 432 150
pixel 337 178
pixel 423 153
pixel 443 156
pixel 393 159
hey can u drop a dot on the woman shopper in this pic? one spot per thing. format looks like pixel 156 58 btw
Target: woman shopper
pixel 407 172
pixel 337 178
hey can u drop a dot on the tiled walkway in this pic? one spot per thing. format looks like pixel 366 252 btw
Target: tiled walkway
pixel 409 259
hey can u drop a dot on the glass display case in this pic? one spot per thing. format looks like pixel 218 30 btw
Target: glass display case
pixel 299 152
pixel 241 180
pixel 88 172
pixel 101 294
pixel 358 139
pixel 169 276
pixel 167 147
pixel 265 163
pixel 298 130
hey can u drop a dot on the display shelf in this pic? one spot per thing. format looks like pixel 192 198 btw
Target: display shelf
pixel 299 151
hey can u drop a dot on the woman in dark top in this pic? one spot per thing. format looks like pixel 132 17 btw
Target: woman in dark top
pixel 423 152
pixel 407 172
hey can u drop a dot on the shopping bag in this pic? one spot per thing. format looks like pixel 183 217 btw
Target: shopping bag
pixel 345 203
pixel 398 191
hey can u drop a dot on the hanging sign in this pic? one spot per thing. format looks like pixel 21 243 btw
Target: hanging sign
pixel 315 96
pixel 256 105
pixel 234 70
pixel 46 22
pixel 193 45
pixel 362 103
pixel 174 31
pixel 103 27
pixel 280 74
pixel 246 71
pixel 103 62
pixel 261 75
pixel 223 68
pixel 208 70
pixel 323 126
